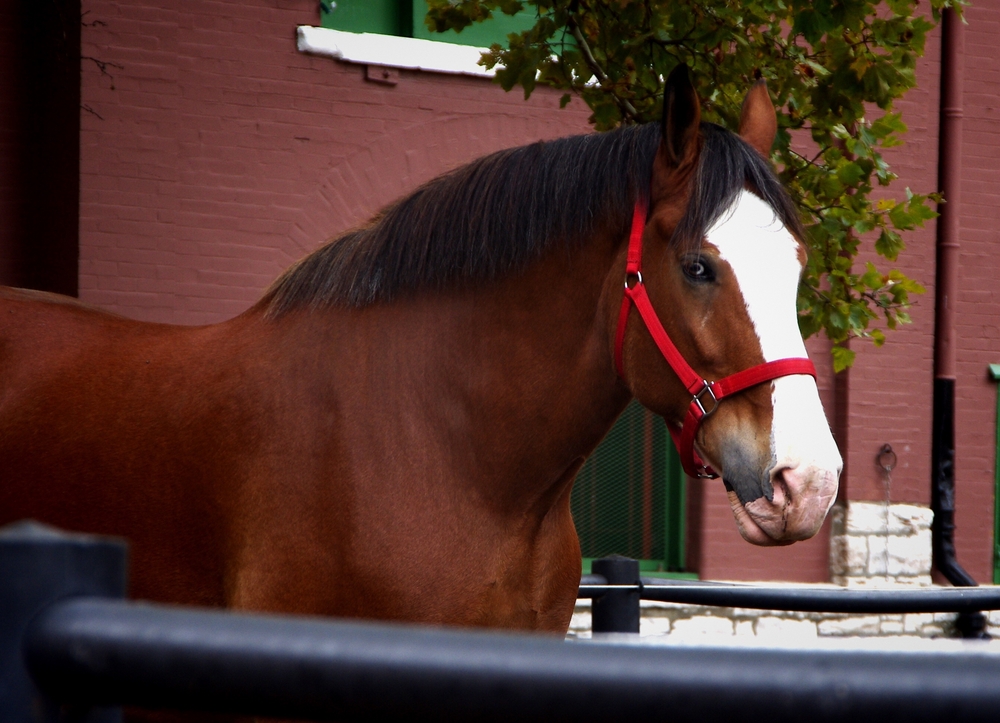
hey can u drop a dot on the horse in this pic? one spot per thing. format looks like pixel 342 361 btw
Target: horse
pixel 392 431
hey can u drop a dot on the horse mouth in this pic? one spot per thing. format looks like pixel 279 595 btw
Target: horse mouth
pixel 784 519
pixel 749 529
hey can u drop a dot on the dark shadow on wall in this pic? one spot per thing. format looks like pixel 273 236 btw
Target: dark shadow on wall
pixel 40 144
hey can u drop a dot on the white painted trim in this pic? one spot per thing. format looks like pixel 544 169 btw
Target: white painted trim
pixel 393 51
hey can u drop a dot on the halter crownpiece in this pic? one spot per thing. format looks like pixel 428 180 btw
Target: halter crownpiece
pixel 705 395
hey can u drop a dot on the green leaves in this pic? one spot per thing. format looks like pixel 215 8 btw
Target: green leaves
pixel 834 69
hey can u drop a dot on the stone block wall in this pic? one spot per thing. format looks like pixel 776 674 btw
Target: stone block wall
pixel 693 624
pixel 872 544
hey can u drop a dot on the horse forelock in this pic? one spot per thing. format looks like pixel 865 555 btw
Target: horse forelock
pixel 495 215
pixel 726 166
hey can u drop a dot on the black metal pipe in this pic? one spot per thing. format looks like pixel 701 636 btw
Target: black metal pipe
pixel 943 489
pixel 110 652
pixel 864 602
pixel 970 624
pixel 946 290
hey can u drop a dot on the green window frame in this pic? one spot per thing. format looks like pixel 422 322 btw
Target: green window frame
pixel 405 18
pixel 630 497
pixel 995 374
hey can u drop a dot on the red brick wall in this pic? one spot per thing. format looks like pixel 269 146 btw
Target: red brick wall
pixel 219 154
pixel 978 329
pixel 891 388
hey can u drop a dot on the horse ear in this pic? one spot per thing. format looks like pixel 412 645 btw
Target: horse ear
pixel 758 122
pixel 681 116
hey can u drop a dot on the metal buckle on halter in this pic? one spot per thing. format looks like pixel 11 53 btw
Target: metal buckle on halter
pixel 697 399
pixel 636 274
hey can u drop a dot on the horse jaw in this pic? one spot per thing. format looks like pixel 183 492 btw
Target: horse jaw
pixel 806 463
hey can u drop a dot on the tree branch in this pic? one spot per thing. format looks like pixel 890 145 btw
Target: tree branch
pixel 627 109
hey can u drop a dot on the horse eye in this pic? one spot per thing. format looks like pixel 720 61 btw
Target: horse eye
pixel 698 270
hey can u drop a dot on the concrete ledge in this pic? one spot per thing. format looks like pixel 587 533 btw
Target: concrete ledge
pixel 392 51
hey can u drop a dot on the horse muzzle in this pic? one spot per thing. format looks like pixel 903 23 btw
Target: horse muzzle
pixel 793 509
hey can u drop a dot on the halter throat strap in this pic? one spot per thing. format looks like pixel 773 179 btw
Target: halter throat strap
pixel 705 395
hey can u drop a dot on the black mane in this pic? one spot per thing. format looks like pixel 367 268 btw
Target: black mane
pixel 496 214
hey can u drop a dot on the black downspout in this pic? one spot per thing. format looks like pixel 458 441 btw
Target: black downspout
pixel 943 488
pixel 943 424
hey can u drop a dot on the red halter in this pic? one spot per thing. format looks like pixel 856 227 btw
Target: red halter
pixel 703 392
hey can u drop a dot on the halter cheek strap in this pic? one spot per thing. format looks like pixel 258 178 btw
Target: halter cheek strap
pixel 705 395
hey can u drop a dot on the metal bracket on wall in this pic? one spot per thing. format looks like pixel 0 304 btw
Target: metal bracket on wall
pixel 995 375
pixel 382 74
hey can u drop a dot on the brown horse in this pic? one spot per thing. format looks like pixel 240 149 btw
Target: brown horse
pixel 392 431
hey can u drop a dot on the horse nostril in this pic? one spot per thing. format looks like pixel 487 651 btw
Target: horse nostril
pixel 749 487
pixel 782 496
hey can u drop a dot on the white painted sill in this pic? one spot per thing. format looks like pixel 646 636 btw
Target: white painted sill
pixel 392 51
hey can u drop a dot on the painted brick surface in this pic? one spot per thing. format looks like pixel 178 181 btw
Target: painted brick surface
pixel 217 154
pixel 978 329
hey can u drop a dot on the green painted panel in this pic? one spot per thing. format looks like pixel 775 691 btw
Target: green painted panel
pixel 494 30
pixel 388 17
pixel 629 497
pixel 406 18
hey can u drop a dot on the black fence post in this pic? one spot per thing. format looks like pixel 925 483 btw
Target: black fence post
pixel 617 611
pixel 38 566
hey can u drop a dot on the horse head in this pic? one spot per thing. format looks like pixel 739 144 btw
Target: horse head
pixel 722 253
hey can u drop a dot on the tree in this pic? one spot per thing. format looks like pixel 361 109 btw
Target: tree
pixel 834 69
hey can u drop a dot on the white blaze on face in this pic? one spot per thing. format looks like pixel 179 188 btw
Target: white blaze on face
pixel 764 257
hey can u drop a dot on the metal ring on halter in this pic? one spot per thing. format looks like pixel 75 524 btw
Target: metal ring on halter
pixel 697 399
pixel 637 274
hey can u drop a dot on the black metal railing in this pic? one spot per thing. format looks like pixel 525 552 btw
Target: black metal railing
pixel 617 588
pixel 66 645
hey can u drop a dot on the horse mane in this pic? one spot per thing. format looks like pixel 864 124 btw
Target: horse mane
pixel 496 214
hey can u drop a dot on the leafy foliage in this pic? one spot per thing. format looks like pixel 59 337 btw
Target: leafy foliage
pixel 833 68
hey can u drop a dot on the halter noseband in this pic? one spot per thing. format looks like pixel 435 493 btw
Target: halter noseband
pixel 706 395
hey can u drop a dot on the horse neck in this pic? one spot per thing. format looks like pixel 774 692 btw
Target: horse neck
pixel 511 383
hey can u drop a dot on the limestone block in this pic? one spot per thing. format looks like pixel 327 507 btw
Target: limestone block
pixel 837 516
pixel 891 627
pixel 855 555
pixel 878 556
pixel 702 625
pixel 581 622
pixel 915 581
pixel 855 625
pixel 876 581
pixel 865 518
pixel 911 554
pixel 909 519
pixel 654 625
pixel 775 628
pixel 915 622
pixel 838 555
